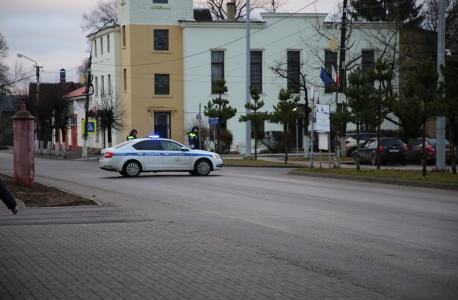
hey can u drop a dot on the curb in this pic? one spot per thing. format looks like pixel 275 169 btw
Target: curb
pixel 442 186
pixel 245 166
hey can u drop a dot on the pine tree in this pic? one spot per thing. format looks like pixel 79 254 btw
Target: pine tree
pixel 218 107
pixel 359 95
pixel 450 101
pixel 422 99
pixel 255 117
pixel 382 97
pixel 386 11
pixel 286 112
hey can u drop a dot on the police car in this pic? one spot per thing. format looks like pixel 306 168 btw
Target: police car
pixel 154 154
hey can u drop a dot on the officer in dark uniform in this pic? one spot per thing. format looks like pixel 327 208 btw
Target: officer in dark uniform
pixel 193 138
pixel 132 135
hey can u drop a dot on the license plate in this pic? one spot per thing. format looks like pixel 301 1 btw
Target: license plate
pixel 394 150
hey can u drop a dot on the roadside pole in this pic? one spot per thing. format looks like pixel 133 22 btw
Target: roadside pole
pixel 312 93
pixel 440 121
pixel 248 82
pixel 200 132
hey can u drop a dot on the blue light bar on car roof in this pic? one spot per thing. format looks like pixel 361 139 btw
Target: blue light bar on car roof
pixel 154 136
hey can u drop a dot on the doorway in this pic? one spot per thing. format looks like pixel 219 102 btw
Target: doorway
pixel 162 124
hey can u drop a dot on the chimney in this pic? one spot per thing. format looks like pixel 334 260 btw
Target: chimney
pixel 230 11
pixel 62 75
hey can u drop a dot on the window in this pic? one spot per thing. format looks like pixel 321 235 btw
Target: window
pixel 170 146
pixel 367 62
pixel 160 1
pixel 108 43
pixel 102 86
pixel 96 88
pixel 217 61
pixel 109 84
pixel 125 79
pixel 161 40
pixel 293 70
pixel 101 45
pixel 124 35
pixel 95 48
pixel 330 59
pixel 260 129
pixel 256 69
pixel 162 84
pixel 74 121
pixel 148 145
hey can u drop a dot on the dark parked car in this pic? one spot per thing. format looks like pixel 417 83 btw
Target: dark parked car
pixel 414 152
pixel 391 150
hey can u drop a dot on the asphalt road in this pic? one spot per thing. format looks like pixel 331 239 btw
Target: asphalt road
pixel 399 241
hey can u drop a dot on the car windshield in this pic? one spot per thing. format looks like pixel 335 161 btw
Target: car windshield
pixel 392 143
pixel 122 144
pixel 433 142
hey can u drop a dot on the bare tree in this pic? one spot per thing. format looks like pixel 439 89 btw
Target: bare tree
pixel 83 68
pixel 9 78
pixel 109 114
pixel 219 11
pixel 101 14
pixel 272 6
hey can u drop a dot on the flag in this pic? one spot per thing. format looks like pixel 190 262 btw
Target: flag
pixel 335 77
pixel 325 76
pixel 95 110
pixel 76 106
pixel 318 101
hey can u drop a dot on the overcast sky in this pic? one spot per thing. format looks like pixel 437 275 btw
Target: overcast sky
pixel 49 32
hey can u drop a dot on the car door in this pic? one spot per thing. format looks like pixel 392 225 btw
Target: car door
pixel 150 154
pixel 363 151
pixel 174 157
pixel 371 147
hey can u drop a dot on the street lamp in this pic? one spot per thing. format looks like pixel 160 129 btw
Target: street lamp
pixel 37 144
pixel 88 87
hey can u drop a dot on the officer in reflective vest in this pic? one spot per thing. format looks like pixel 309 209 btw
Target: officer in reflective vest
pixel 132 135
pixel 193 139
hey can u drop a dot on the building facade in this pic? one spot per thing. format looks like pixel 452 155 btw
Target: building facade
pixel 171 55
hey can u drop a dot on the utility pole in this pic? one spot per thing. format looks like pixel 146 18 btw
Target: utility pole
pixel 248 81
pixel 440 121
pixel 342 75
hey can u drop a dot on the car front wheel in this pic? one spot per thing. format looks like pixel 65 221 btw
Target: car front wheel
pixel 131 169
pixel 374 159
pixel 203 167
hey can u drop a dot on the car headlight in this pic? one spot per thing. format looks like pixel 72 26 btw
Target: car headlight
pixel 216 156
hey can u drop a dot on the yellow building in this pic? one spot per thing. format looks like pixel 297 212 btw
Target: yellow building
pixel 152 66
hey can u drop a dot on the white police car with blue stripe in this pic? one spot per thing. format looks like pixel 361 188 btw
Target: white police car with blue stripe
pixel 155 154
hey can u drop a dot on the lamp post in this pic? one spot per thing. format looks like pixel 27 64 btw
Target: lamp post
pixel 37 142
pixel 88 87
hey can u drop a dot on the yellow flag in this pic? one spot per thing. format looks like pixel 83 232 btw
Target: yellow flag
pixel 333 43
pixel 82 79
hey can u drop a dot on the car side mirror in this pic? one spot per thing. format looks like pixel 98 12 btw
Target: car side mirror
pixel 184 149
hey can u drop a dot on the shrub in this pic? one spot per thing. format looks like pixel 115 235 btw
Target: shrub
pixel 226 139
pixel 274 141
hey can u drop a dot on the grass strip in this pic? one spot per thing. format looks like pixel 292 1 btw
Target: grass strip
pixel 414 175
pixel 324 159
pixel 252 162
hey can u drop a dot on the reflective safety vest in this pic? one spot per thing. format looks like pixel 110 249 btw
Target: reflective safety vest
pixel 193 141
pixel 131 137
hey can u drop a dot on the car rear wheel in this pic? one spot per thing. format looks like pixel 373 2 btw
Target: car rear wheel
pixel 203 167
pixel 131 169
pixel 374 159
pixel 351 152
pixel 355 158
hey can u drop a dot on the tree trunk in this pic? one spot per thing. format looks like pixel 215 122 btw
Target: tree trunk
pixel 109 136
pixel 255 141
pixel 423 152
pixel 357 147
pixel 64 133
pixel 285 129
pixel 56 135
pixel 452 147
pixel 379 159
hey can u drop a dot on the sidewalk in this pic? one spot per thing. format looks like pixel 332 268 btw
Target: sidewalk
pixel 69 154
pixel 149 260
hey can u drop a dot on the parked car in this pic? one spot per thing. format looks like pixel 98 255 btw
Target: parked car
pixel 351 141
pixel 391 150
pixel 414 152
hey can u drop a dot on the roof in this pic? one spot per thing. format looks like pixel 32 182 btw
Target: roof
pixel 241 21
pixel 9 102
pixel 48 87
pixel 77 93
pixel 202 14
